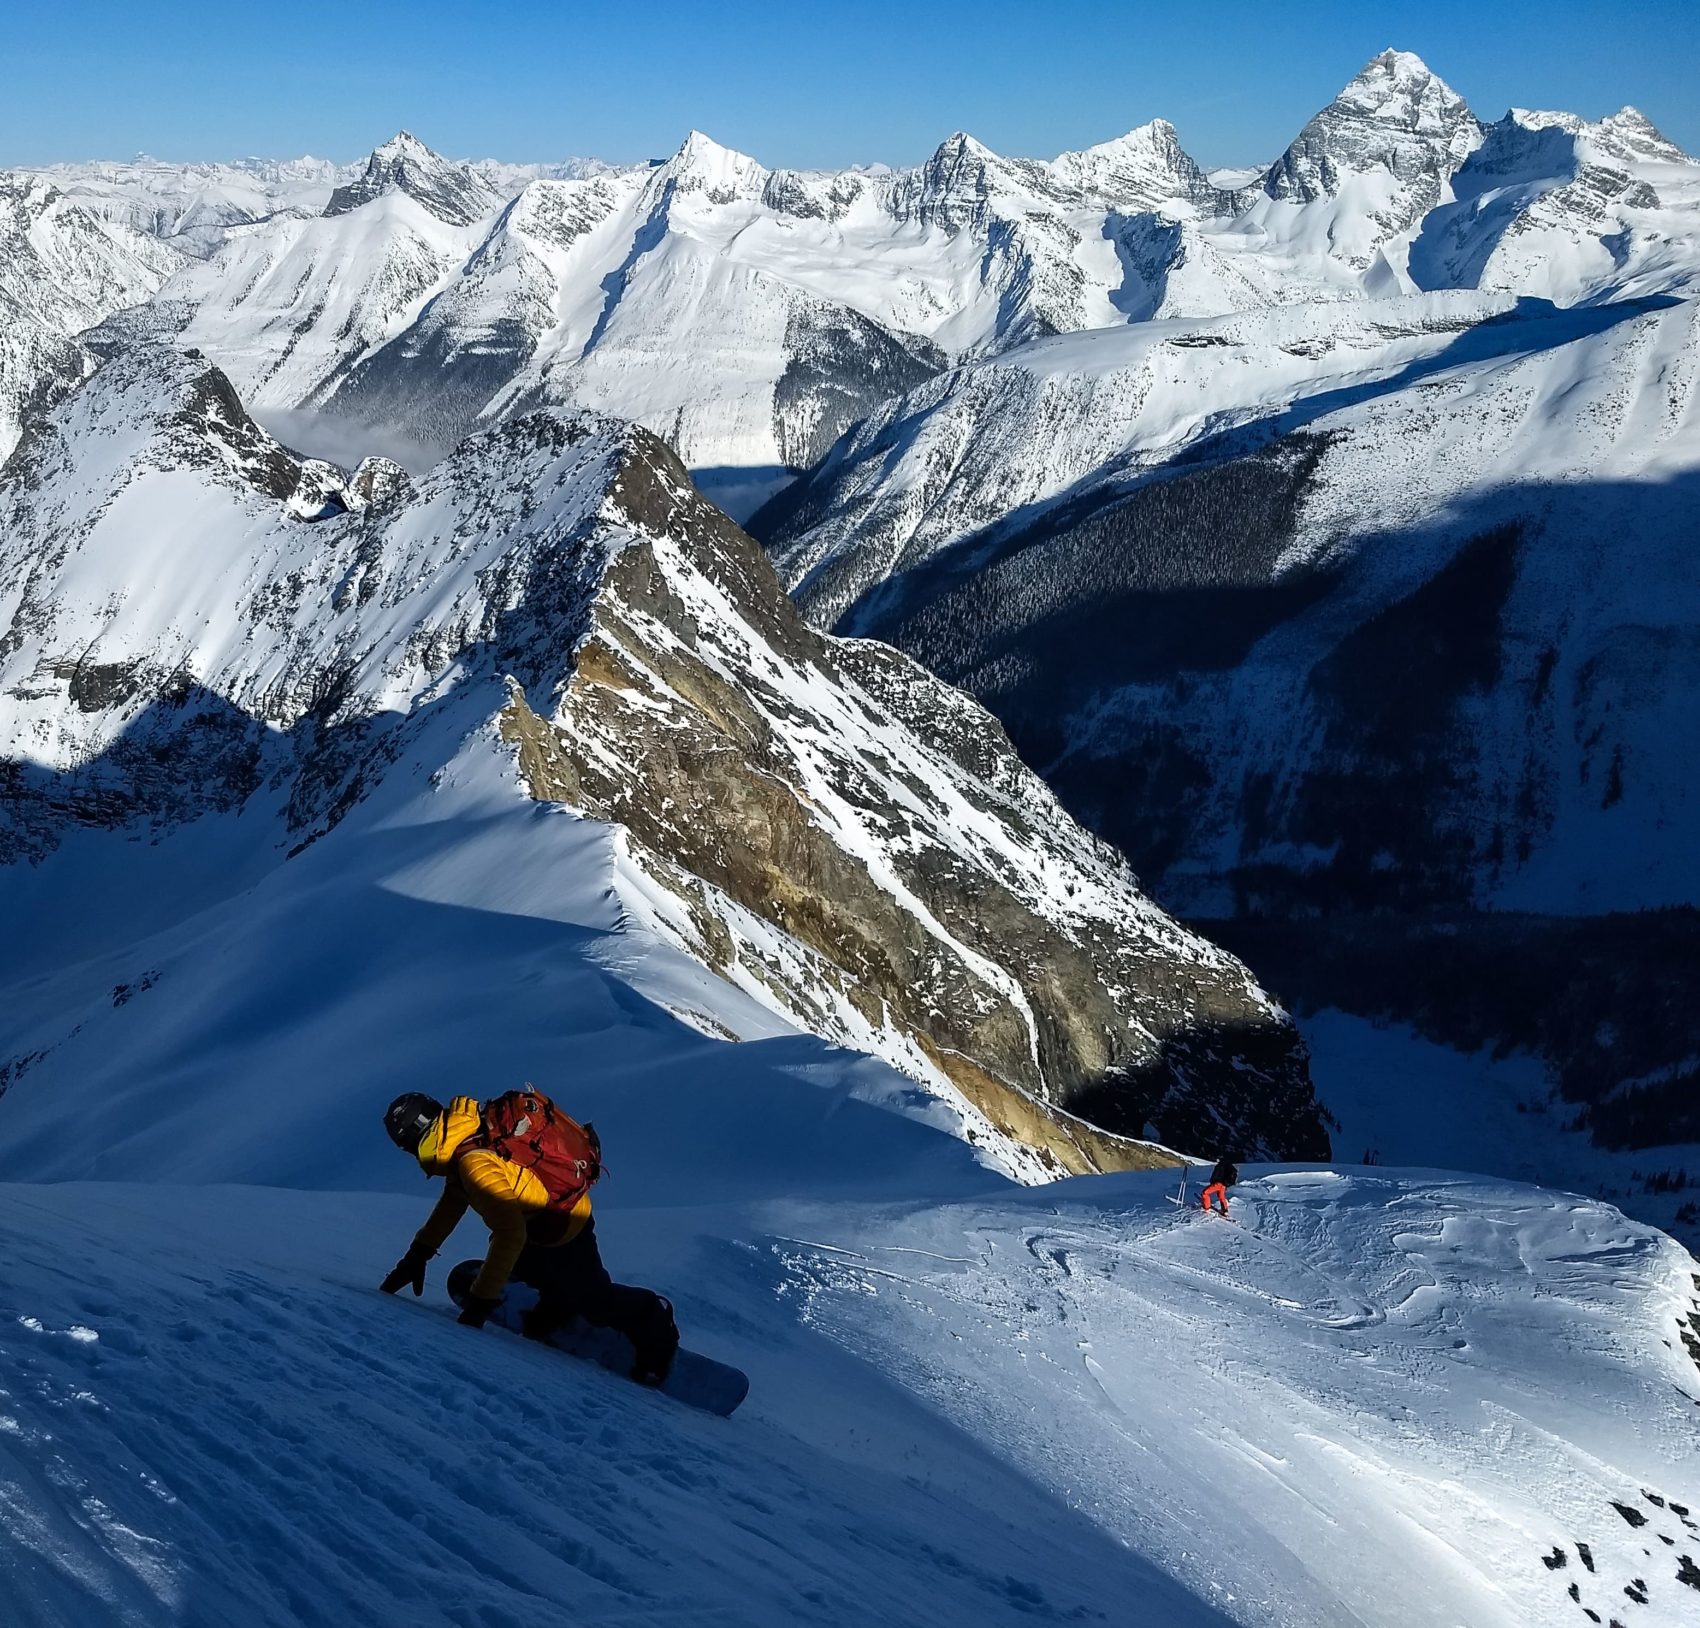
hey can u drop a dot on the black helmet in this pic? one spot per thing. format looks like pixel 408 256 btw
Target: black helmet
pixel 409 1117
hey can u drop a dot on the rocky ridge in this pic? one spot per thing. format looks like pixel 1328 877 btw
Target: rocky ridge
pixel 843 835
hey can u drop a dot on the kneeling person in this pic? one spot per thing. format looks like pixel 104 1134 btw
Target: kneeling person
pixel 526 1169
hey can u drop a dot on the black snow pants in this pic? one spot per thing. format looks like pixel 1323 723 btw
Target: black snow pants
pixel 571 1280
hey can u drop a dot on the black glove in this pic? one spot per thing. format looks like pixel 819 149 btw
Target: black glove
pixel 474 1311
pixel 409 1269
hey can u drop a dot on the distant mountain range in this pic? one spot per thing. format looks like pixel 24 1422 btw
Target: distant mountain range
pixel 751 315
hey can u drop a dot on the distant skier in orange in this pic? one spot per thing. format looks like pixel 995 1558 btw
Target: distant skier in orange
pixel 1222 1178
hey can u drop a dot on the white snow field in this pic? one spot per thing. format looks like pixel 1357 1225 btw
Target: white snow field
pixel 1390 1398
pixel 1380 1398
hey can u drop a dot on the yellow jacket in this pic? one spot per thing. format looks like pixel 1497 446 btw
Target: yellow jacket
pixel 509 1199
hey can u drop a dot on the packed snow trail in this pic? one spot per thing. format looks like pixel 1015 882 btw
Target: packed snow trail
pixel 1380 1399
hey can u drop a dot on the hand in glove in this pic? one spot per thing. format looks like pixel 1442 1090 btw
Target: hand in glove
pixel 474 1311
pixel 409 1269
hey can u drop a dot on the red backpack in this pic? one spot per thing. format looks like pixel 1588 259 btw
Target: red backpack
pixel 527 1129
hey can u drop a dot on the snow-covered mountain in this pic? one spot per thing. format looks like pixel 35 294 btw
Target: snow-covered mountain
pixel 192 207
pixel 1554 206
pixel 750 315
pixel 838 832
pixel 1326 465
pixel 1380 609
pixel 61 271
pixel 1370 165
pixel 286 306
pixel 455 193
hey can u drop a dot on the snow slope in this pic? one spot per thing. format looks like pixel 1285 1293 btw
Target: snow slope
pixel 1376 1397
pixel 285 306
pixel 1398 1096
pixel 994 445
pixel 1385 1399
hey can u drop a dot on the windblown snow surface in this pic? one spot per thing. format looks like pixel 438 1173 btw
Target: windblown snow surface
pixel 1386 1397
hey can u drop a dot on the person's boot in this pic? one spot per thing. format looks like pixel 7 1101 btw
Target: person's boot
pixel 658 1347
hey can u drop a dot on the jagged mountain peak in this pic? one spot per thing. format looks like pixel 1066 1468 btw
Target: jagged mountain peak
pixel 405 145
pixel 1633 135
pixel 1627 136
pixel 1398 88
pixel 702 164
pixel 1393 116
pixel 959 145
pixel 954 187
pixel 1145 167
pixel 1155 136
pixel 452 192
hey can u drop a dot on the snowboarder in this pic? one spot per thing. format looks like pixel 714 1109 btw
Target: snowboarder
pixel 505 1159
pixel 1222 1178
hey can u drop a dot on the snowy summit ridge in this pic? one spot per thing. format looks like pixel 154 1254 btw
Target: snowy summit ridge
pixel 749 315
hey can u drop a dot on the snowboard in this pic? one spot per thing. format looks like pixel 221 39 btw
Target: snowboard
pixel 695 1380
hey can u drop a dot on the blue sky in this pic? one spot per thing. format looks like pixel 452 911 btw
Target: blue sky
pixel 792 83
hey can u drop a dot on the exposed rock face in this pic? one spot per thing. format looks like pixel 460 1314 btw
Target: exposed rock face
pixel 844 835
pixel 452 192
pixel 377 480
pixel 1395 117
pixel 840 793
pixel 1421 695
